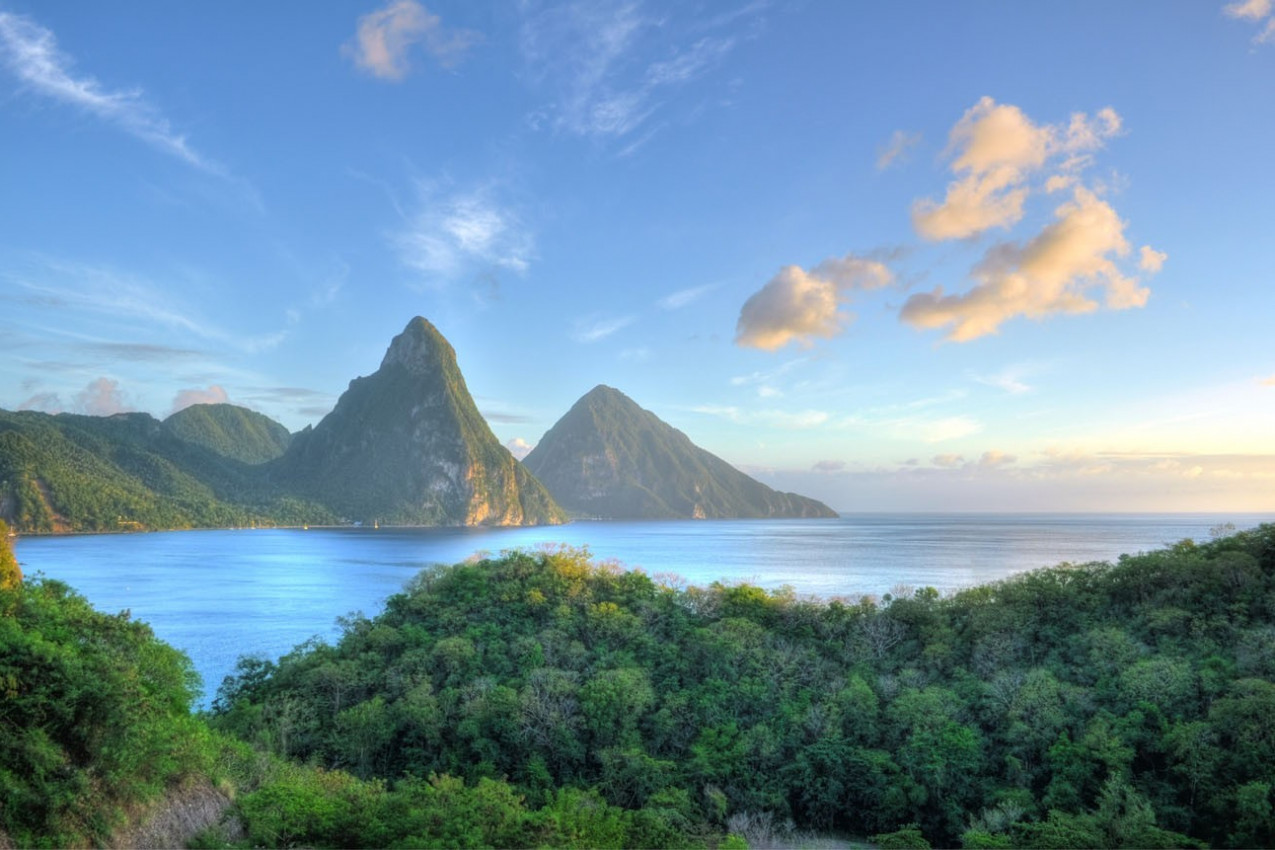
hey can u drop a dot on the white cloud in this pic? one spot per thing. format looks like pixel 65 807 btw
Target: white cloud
pixel 214 394
pixel 948 461
pixel 588 54
pixel 1151 260
pixel 463 233
pixel 1059 182
pixel 1049 275
pixel 518 447
pixel 1250 10
pixel 997 148
pixel 128 297
pixel 896 149
pixel 799 306
pixel 385 38
pixel 768 375
pixel 799 420
pixel 994 459
pixel 1009 379
pixel 102 397
pixel 683 297
pixel 31 54
pixel 595 328
pixel 828 466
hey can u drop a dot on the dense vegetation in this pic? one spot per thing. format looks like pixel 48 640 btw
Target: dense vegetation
pixel 94 717
pixel 1125 705
pixel 230 431
pixel 125 473
pixel 608 457
pixel 539 699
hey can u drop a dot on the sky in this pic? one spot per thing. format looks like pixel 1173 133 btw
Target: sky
pixel 983 256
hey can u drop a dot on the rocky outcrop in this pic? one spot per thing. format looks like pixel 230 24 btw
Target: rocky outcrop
pixel 607 457
pixel 177 817
pixel 407 445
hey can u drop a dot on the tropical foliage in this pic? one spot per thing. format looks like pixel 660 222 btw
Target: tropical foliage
pixel 94 718
pixel 1124 705
pixel 126 473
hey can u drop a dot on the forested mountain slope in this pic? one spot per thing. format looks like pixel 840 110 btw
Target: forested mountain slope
pixel 230 431
pixel 608 457
pixel 127 472
pixel 1098 705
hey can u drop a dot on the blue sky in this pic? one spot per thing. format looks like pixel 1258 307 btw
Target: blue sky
pixel 977 256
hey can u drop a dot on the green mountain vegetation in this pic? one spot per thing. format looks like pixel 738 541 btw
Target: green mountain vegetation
pixel 408 445
pixel 128 472
pixel 540 699
pixel 607 457
pixel 94 718
pixel 230 431
pixel 1097 705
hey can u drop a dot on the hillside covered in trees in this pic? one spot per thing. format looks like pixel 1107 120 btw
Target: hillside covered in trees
pixel 543 699
pixel 1099 705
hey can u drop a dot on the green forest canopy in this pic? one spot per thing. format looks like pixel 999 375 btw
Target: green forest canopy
pixel 1086 705
pixel 542 699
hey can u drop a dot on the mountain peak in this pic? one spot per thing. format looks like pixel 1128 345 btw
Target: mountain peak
pixel 419 348
pixel 604 395
pixel 408 445
pixel 609 457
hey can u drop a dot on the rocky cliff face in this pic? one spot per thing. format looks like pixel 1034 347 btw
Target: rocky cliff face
pixel 408 445
pixel 608 457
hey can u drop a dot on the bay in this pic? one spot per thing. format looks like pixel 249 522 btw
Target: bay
pixel 220 594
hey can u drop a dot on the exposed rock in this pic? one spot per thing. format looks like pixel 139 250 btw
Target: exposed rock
pixel 408 445
pixel 177 818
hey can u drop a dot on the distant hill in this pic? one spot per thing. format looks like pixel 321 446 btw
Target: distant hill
pixel 408 445
pixel 127 472
pixel 608 457
pixel 231 431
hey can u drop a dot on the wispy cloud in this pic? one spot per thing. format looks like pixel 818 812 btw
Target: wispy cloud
pixel 463 233
pixel 683 297
pixel 896 149
pixel 385 38
pixel 600 70
pixel 1260 12
pixel 63 285
pixel 794 420
pixel 30 52
pixel 595 328
pixel 1010 379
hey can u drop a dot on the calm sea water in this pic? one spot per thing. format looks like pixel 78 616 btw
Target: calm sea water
pixel 221 594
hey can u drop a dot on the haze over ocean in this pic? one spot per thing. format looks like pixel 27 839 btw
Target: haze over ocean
pixel 221 594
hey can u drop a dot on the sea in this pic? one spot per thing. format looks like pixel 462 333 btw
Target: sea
pixel 222 594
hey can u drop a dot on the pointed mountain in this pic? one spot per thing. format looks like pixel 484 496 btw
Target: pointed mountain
pixel 230 431
pixel 407 445
pixel 607 457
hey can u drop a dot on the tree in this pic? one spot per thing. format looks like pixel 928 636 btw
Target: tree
pixel 10 572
